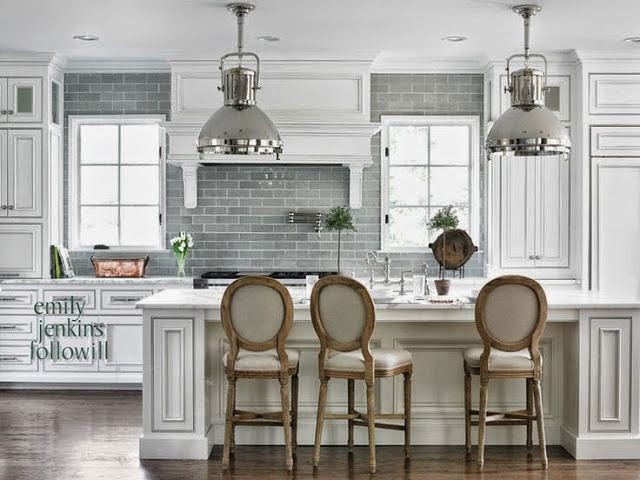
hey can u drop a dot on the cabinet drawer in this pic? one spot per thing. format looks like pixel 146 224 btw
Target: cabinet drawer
pixel 16 357
pixel 18 327
pixel 18 299
pixel 62 296
pixel 122 299
pixel 615 141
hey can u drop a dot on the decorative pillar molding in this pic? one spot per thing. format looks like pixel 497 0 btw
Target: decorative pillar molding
pixel 190 184
pixel 355 184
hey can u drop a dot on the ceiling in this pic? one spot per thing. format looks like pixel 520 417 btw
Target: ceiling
pixel 386 29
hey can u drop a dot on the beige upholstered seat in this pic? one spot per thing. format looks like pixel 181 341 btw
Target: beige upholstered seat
pixel 383 359
pixel 511 312
pixel 257 316
pixel 262 361
pixel 344 317
pixel 500 360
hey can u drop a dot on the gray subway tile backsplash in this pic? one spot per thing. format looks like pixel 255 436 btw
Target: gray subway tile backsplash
pixel 241 218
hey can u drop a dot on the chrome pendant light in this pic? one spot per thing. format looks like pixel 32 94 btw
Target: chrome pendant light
pixel 528 128
pixel 239 126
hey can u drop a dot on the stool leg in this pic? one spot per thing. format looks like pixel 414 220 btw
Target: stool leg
pixel 286 421
pixel 482 417
pixel 467 409
pixel 294 410
pixel 322 400
pixel 350 409
pixel 407 415
pixel 232 445
pixel 231 394
pixel 529 386
pixel 371 420
pixel 537 393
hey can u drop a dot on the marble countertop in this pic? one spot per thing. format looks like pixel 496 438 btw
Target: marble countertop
pixel 560 299
pixel 98 281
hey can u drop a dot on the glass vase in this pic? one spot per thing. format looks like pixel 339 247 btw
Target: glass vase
pixel 181 261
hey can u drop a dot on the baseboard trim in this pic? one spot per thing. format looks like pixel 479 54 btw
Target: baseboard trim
pixel 601 446
pixel 176 446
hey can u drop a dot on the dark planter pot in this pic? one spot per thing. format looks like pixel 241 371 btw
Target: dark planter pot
pixel 442 286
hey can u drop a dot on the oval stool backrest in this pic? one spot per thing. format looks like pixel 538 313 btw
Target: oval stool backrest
pixel 343 313
pixel 511 312
pixel 256 311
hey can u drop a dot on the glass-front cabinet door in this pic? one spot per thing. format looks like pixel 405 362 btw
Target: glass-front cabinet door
pixel 24 100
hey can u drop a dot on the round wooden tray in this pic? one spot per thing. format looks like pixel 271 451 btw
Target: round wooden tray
pixel 459 246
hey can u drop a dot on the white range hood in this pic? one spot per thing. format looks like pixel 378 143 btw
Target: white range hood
pixel 321 109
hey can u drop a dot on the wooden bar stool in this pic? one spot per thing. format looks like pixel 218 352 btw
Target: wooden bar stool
pixel 344 317
pixel 257 315
pixel 511 312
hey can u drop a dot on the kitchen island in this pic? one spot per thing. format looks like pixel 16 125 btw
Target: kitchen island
pixel 591 386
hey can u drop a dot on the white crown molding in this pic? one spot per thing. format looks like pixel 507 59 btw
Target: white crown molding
pixel 110 65
pixel 429 65
pixel 27 58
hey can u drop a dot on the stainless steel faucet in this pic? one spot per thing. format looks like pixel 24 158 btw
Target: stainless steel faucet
pixel 372 261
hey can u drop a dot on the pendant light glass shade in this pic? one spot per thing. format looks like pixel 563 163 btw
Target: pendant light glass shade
pixel 239 127
pixel 528 128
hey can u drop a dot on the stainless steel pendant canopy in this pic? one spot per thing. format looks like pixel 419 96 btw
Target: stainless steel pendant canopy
pixel 528 128
pixel 239 126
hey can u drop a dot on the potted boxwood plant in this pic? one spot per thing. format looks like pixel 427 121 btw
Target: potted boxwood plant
pixel 444 219
pixel 339 219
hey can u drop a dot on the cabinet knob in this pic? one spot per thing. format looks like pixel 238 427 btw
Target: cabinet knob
pixel 537 257
pixel 10 207
pixel 10 112
pixel 3 207
pixel 3 112
pixel 532 257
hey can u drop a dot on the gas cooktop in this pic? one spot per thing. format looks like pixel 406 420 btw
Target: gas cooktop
pixel 279 275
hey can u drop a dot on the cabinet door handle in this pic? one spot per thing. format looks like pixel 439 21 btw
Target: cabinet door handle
pixel 537 257
pixel 8 299
pixel 3 207
pixel 3 112
pixel 8 327
pixel 8 359
pixel 10 112
pixel 9 274
pixel 532 257
pixel 125 299
pixel 10 207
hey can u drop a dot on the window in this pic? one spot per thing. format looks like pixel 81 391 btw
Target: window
pixel 116 182
pixel 428 162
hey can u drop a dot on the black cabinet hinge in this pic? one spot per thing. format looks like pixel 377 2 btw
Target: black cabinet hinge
pixel 160 218
pixel 386 151
pixel 386 219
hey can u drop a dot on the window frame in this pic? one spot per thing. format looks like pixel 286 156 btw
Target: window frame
pixel 470 121
pixel 73 177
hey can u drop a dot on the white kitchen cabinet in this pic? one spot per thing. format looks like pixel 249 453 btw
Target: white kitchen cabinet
pixel 124 347
pixel 21 173
pixel 531 220
pixel 15 356
pixel 615 224
pixel 24 100
pixel 21 252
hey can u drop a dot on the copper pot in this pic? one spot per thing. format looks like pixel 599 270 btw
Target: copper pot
pixel 120 267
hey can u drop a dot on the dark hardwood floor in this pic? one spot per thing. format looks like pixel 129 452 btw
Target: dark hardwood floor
pixel 61 435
